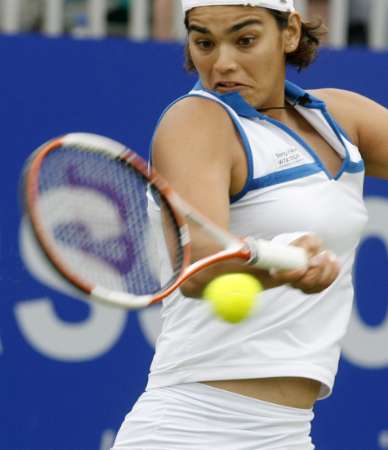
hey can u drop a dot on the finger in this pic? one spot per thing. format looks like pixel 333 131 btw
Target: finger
pixel 322 257
pixel 311 243
pixel 330 268
pixel 288 276
pixel 309 283
pixel 329 273
pixel 320 277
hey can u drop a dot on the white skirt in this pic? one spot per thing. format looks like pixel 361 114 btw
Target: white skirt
pixel 196 416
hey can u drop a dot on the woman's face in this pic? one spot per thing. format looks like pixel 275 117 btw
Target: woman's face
pixel 239 49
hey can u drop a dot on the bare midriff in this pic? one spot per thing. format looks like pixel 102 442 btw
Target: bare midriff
pixel 288 391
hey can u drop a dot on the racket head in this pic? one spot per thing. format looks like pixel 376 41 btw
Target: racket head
pixel 85 197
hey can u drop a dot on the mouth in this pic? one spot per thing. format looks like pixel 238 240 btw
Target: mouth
pixel 228 86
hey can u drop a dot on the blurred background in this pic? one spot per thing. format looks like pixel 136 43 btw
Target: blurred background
pixel 351 22
pixel 70 371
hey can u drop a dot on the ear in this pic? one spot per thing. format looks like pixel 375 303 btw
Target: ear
pixel 292 33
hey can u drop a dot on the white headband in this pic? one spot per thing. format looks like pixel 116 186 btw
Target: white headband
pixel 279 5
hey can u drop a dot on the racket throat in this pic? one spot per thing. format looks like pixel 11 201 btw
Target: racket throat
pixel 120 299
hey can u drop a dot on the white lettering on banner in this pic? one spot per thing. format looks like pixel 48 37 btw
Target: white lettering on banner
pixel 383 439
pixel 48 333
pixel 107 439
pixel 366 345
pixel 65 341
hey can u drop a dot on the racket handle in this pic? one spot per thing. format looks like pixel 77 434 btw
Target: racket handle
pixel 270 255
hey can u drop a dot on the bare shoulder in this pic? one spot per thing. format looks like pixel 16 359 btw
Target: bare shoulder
pixel 348 108
pixel 193 114
pixel 339 98
pixel 342 100
pixel 194 127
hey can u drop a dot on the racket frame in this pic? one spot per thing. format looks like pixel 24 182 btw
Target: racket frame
pixel 247 250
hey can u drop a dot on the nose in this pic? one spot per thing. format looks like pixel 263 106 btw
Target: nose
pixel 225 61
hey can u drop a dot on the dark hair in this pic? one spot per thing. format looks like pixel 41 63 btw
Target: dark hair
pixel 302 57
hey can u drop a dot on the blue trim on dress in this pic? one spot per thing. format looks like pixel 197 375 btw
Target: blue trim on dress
pixel 303 143
pixel 243 108
pixel 246 146
pixel 235 101
pixel 241 131
pixel 355 167
pixel 285 175
pixel 334 126
pixel 294 94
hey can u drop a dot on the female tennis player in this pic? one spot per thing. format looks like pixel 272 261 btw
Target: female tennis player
pixel 264 158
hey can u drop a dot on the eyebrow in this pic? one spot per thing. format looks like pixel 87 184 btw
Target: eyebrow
pixel 232 29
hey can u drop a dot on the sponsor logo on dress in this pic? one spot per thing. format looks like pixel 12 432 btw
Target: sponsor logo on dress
pixel 288 158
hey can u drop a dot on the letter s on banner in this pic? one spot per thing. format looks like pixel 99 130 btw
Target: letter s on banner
pixel 365 345
pixel 52 336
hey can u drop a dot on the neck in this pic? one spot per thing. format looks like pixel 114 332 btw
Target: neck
pixel 277 112
pixel 276 105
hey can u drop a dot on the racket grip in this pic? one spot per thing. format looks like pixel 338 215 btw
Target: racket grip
pixel 270 255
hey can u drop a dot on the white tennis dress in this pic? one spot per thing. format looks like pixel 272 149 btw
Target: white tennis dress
pixel 288 190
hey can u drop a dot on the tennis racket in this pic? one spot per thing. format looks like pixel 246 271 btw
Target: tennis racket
pixel 86 198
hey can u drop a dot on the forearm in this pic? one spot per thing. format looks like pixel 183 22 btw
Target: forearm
pixel 321 270
pixel 195 285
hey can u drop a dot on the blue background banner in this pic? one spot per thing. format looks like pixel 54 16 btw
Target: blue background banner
pixel 69 371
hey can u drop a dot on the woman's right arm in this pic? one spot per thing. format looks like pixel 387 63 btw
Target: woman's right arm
pixel 196 148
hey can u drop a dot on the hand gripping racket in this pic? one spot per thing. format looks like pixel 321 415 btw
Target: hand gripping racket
pixel 86 199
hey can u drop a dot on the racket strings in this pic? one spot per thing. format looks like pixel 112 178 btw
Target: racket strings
pixel 94 211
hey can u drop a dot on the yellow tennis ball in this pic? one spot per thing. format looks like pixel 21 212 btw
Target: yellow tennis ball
pixel 233 296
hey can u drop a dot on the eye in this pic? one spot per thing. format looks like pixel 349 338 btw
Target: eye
pixel 204 44
pixel 246 41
